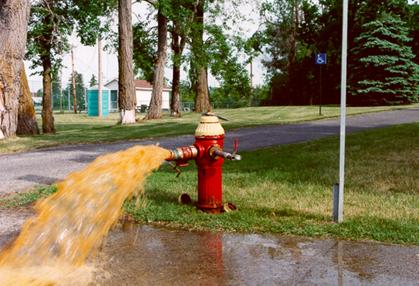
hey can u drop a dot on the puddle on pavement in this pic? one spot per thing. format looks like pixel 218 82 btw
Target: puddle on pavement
pixel 144 255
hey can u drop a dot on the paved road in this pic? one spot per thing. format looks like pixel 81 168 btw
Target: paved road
pixel 24 170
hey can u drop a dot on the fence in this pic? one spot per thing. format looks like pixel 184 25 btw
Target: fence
pixel 62 96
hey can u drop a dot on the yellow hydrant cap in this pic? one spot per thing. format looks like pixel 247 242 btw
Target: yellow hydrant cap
pixel 209 125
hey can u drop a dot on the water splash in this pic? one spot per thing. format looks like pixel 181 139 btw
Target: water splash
pixel 71 224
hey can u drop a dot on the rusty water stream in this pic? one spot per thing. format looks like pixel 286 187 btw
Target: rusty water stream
pixel 70 225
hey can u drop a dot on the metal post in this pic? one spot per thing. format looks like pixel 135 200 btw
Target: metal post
pixel 343 109
pixel 100 77
pixel 321 91
pixel 336 212
pixel 73 78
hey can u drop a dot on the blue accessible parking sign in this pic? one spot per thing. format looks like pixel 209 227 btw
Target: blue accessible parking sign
pixel 321 59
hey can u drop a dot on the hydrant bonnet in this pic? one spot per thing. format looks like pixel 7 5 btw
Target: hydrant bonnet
pixel 209 125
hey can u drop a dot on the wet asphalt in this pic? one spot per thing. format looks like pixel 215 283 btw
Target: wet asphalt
pixel 46 166
pixel 144 255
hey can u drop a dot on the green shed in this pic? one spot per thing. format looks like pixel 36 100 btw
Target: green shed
pixel 92 101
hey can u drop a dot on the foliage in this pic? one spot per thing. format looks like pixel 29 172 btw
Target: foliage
pixel 80 92
pixel 385 72
pixel 93 19
pixel 93 81
pixel 186 91
pixel 318 29
pixel 291 36
pixel 144 53
pixel 49 28
pixel 225 65
pixel 52 22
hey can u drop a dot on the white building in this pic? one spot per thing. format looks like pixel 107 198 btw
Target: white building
pixel 143 91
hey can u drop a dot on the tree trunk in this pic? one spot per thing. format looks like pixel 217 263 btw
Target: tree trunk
pixel 177 48
pixel 154 110
pixel 175 100
pixel 47 116
pixel 14 16
pixel 202 103
pixel 27 124
pixel 127 98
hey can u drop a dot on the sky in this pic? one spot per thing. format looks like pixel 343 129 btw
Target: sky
pixel 86 57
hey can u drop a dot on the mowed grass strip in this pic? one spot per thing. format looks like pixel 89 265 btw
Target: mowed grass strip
pixel 79 128
pixel 288 189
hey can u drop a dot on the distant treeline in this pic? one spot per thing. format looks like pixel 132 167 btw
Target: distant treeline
pixel 383 44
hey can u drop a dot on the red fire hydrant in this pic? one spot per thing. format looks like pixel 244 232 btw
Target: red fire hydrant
pixel 209 158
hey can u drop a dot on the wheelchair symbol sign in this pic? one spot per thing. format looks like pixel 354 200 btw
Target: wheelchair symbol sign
pixel 321 59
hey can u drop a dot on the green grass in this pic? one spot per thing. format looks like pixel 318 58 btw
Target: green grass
pixel 25 198
pixel 288 190
pixel 79 128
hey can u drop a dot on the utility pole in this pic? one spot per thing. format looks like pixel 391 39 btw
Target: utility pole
pixel 85 99
pixel 73 76
pixel 68 98
pixel 251 82
pixel 339 189
pixel 61 94
pixel 100 79
pixel 251 72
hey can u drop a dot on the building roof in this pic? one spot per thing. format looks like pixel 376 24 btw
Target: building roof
pixel 140 84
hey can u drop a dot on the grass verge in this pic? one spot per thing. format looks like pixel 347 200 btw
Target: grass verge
pixel 288 190
pixel 79 128
pixel 22 199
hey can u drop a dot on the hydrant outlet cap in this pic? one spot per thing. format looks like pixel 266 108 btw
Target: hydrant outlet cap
pixel 209 125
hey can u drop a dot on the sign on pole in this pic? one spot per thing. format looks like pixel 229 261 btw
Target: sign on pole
pixel 321 59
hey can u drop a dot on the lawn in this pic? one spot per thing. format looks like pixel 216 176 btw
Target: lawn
pixel 79 128
pixel 288 190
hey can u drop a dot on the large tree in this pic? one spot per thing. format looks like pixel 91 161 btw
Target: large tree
pixel 199 66
pixel 50 26
pixel 49 29
pixel 173 17
pixel 179 30
pixel 155 105
pixel 127 99
pixel 27 124
pixel 385 71
pixel 13 26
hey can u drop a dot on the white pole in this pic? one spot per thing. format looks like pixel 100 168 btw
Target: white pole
pixel 100 79
pixel 343 109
